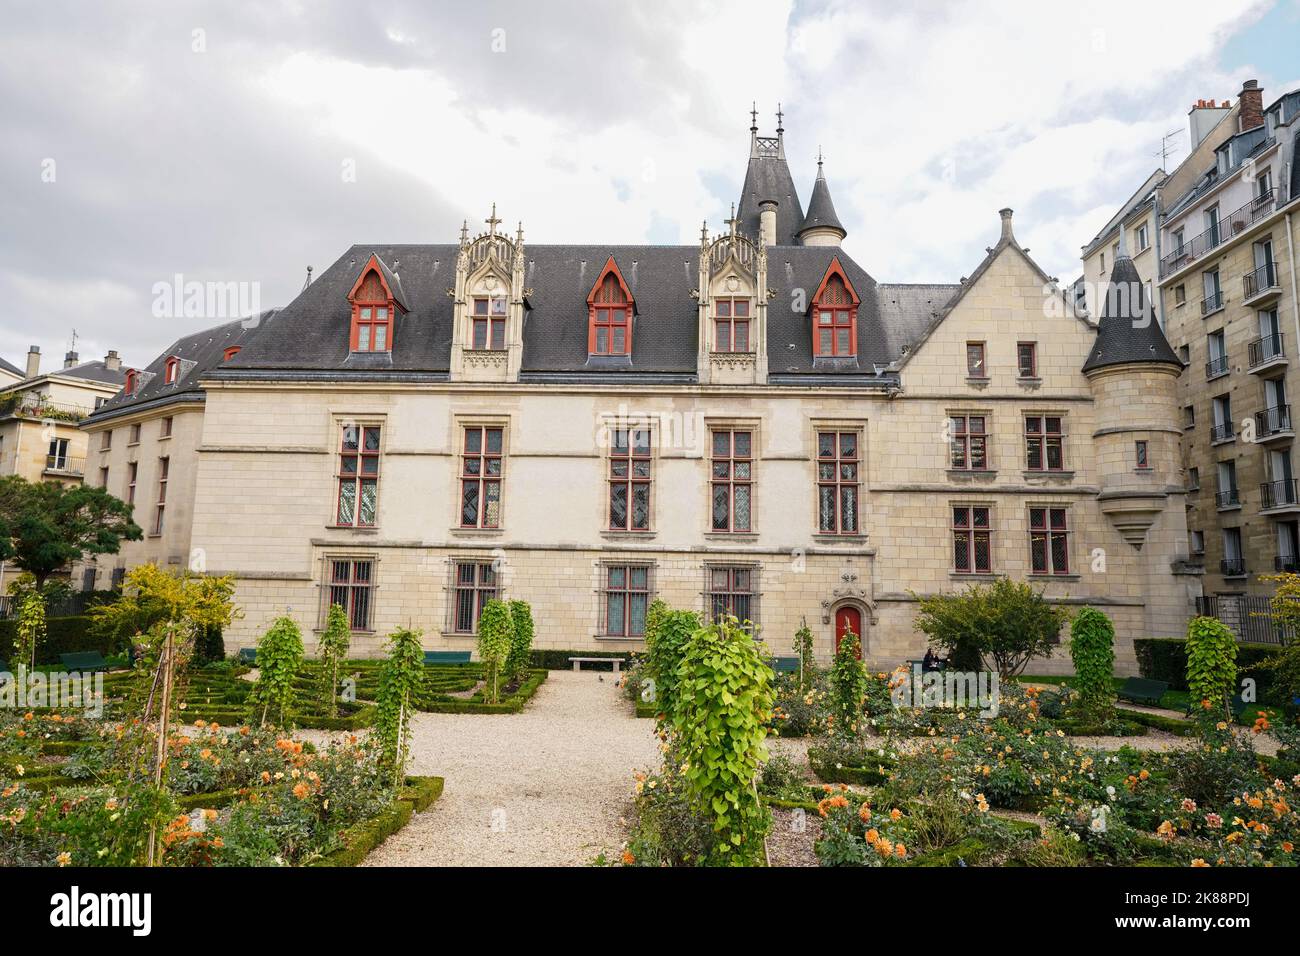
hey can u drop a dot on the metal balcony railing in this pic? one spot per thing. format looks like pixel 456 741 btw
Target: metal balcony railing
pixel 34 406
pixel 1278 494
pixel 1221 431
pixel 1264 279
pixel 1226 499
pixel 1216 367
pixel 1273 421
pixel 1266 348
pixel 64 465
pixel 1232 567
pixel 1286 562
pixel 1212 303
pixel 1237 221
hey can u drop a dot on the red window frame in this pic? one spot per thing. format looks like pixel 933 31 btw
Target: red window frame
pixel 972 531
pixel 372 326
pixel 170 370
pixel 977 360
pixel 357 474
pixel 352 587
pixel 732 476
pixel 838 478
pixel 1044 443
pixel 481 473
pixel 128 388
pixel 731 592
pixel 164 467
pixel 627 587
pixel 969 443
pixel 230 353
pixel 474 584
pixel 630 479
pixel 609 306
pixel 732 321
pixel 836 321
pixel 1027 359
pixel 1049 540
pixel 488 323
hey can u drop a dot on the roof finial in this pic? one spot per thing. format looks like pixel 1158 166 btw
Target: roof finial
pixel 492 221
pixel 308 282
pixel 780 127
pixel 753 116
pixel 464 232
pixel 519 234
pixel 704 233
pixel 731 223
pixel 1123 243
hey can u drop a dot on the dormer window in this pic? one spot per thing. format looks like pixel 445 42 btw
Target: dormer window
pixel 171 371
pixel 230 353
pixel 376 299
pixel 835 316
pixel 489 323
pixel 131 379
pixel 610 308
pixel 370 328
pixel 731 324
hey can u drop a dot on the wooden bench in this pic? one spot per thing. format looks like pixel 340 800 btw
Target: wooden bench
pixel 785 665
pixel 1140 690
pixel 446 657
pixel 91 661
pixel 577 662
pixel 248 655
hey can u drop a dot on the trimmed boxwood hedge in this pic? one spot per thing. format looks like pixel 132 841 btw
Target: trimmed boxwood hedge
pixel 359 839
pixel 1170 725
pixel 559 660
pixel 1165 659
pixel 63 635
pixel 863 776
pixel 512 704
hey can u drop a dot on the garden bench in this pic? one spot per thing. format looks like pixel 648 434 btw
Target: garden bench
pixel 785 665
pixel 577 662
pixel 248 655
pixel 84 661
pixel 1140 690
pixel 446 657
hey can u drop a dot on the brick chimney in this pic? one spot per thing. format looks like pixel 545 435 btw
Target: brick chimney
pixel 767 221
pixel 112 361
pixel 1251 99
pixel 33 361
pixel 70 359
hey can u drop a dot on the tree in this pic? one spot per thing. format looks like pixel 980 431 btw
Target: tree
pixel 848 681
pixel 495 635
pixel 521 640
pixel 400 680
pixel 665 646
pixel 45 525
pixel 279 657
pixel 1211 667
pixel 1007 621
pixel 333 649
pixel 803 648
pixel 198 604
pixel 1092 649
pixel 31 628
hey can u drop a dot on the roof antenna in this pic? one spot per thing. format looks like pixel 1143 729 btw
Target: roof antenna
pixel 308 282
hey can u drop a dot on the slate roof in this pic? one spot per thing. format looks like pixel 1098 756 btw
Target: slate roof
pixel 768 177
pixel 310 335
pixel 821 211
pixel 95 371
pixel 1128 330
pixel 11 368
pixel 199 353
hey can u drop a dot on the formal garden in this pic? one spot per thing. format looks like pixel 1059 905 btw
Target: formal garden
pixel 848 766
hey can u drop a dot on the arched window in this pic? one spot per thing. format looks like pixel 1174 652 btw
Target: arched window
pixel 131 378
pixel 835 316
pixel 230 353
pixel 375 301
pixel 171 371
pixel 610 308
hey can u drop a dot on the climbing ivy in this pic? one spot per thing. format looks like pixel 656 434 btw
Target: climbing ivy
pixel 333 649
pixel 848 680
pixel 1092 648
pixel 1211 666
pixel 521 640
pixel 400 678
pixel 495 637
pixel 664 651
pixel 279 656
pixel 722 703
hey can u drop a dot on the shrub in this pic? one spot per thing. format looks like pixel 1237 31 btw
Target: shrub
pixel 1007 621
pixel 848 686
pixel 1092 648
pixel 279 656
pixel 1211 664
pixel 31 627
pixel 400 679
pixel 803 649
pixel 209 645
pixel 333 650
pixel 665 647
pixel 521 641
pixel 495 638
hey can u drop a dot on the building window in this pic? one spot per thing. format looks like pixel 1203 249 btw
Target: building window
pixel 56 458
pixel 132 378
pixel 731 325
pixel 132 470
pixel 1213 292
pixel 733 476
pixel 165 427
pixel 1027 359
pixel 480 477
pixel 1140 456
pixel 1189 416
pixel 1193 479
pixel 731 592
pixel 134 438
pixel 629 479
pixel 1143 239
pixel 171 370
pixel 1222 428
pixel 103 477
pixel 1049 541
pixel 371 328
pixel 1234 565
pixel 835 308
pixel 627 595
pixel 975 367
pixel 475 585
pixel 358 476
pixel 1044 443
pixel 1197 542
pixel 230 353
pixel 352 587
pixel 972 543
pixel 1180 294
pixel 489 323
pixel 610 314
pixel 164 465
pixel 969 443
pixel 837 482
pixel 106 440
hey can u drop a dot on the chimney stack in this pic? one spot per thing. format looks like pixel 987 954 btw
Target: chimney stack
pixel 1007 235
pixel 767 221
pixel 70 359
pixel 112 361
pixel 1251 99
pixel 33 361
pixel 1204 116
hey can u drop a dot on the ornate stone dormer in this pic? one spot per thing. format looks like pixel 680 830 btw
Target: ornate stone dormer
pixel 733 298
pixel 489 301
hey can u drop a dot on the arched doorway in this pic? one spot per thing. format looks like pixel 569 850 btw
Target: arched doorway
pixel 848 617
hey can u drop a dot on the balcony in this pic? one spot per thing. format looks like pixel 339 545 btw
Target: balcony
pixel 1235 222
pixel 1261 285
pixel 1216 367
pixel 1211 303
pixel 1273 423
pixel 1233 567
pixel 1287 563
pixel 1279 496
pixel 1266 352
pixel 1223 500
pixel 30 405
pixel 1221 432
pixel 63 466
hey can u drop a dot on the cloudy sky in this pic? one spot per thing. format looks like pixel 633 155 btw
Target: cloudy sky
pixel 241 142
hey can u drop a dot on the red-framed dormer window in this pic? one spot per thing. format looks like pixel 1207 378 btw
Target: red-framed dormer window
pixel 835 315
pixel 230 353
pixel 374 307
pixel 171 371
pixel 488 323
pixel 131 379
pixel 610 307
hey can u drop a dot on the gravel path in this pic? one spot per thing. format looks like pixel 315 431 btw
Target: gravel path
pixel 546 787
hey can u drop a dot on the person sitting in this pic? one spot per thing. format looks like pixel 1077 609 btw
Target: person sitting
pixel 930 661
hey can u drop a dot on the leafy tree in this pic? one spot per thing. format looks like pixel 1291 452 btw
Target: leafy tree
pixel 1092 648
pixel 279 657
pixel 31 627
pixel 400 680
pixel 1007 621
pixel 495 638
pixel 848 682
pixel 45 526
pixel 198 604
pixel 333 649
pixel 721 707
pixel 1211 666
pixel 521 640
pixel 803 648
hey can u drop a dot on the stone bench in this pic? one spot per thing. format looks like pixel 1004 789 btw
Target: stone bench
pixel 577 662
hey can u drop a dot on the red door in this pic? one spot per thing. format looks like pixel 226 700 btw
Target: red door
pixel 848 619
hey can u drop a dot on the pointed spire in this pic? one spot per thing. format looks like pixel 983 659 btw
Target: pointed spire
pixel 821 226
pixel 753 117
pixel 780 126
pixel 464 232
pixel 1127 331
pixel 492 221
